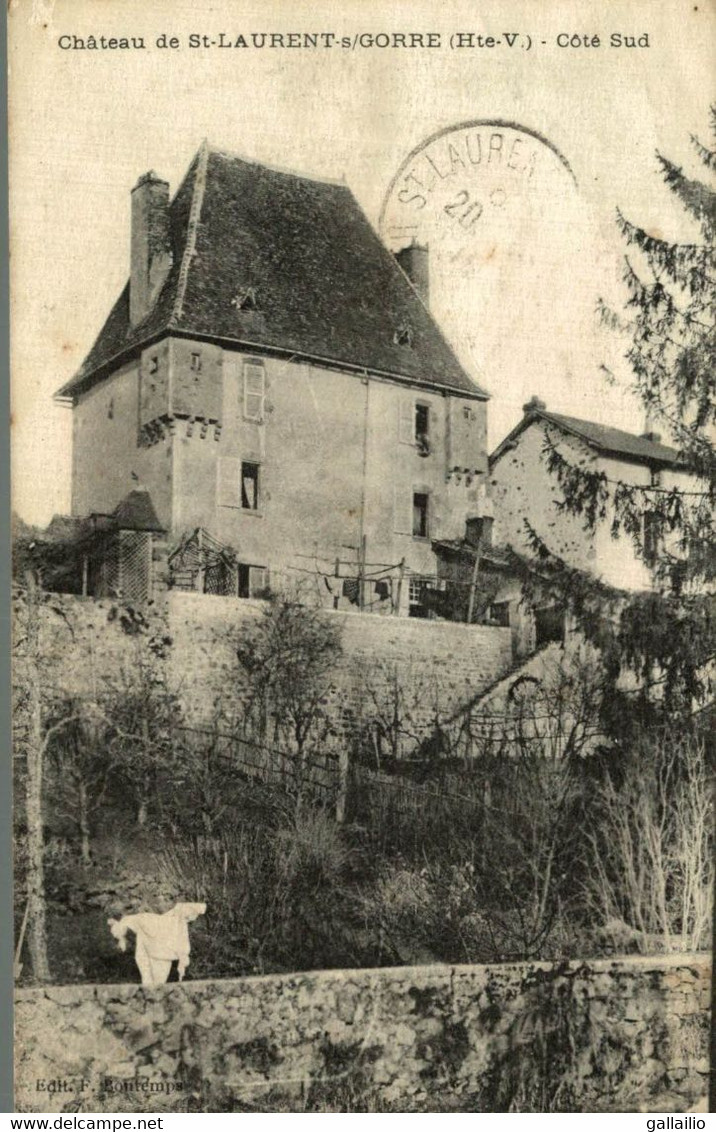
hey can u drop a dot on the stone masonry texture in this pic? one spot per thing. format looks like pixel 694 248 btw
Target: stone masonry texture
pixel 614 1035
pixel 445 663
pixel 449 662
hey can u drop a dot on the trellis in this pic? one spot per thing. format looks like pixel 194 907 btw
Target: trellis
pixel 119 564
pixel 202 563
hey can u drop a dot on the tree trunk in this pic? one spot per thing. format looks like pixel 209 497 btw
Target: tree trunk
pixel 145 786
pixel 83 823
pixel 36 917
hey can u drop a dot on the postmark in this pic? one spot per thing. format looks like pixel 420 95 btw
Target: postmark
pixel 499 208
pixel 469 173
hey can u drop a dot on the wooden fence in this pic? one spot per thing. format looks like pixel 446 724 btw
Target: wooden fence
pixel 319 777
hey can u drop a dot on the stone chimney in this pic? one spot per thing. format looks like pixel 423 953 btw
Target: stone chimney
pixel 415 263
pixel 534 405
pixel 650 433
pixel 150 256
pixel 478 532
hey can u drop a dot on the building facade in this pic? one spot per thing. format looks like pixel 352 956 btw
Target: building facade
pixel 272 378
pixel 526 495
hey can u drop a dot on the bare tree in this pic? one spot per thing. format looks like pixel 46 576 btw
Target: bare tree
pixel 651 858
pixel 287 658
pixel 79 762
pixel 32 733
pixel 143 713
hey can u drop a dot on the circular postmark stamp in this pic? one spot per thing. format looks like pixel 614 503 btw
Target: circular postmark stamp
pixel 498 207
pixel 472 174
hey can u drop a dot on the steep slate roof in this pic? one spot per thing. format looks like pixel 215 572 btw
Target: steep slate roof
pixel 326 287
pixel 605 439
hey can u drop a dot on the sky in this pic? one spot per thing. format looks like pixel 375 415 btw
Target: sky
pixel 515 292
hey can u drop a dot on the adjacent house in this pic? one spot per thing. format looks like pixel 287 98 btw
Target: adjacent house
pixel 525 492
pixel 272 379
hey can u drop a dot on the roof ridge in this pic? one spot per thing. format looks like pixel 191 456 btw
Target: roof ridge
pixel 233 155
pixel 197 201
pixel 576 422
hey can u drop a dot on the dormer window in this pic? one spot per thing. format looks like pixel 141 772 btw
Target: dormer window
pixel 245 299
pixel 404 335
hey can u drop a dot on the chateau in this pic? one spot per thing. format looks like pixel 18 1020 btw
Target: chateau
pixel 272 384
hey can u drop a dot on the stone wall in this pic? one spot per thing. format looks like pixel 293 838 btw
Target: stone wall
pixel 611 1035
pixel 444 663
pixel 441 665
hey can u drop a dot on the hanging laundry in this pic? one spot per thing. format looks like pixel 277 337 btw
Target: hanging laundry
pixel 351 590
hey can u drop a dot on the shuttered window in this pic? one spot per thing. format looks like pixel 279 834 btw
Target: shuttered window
pixel 254 388
pixel 406 420
pixel 402 510
pixel 252 580
pixel 228 482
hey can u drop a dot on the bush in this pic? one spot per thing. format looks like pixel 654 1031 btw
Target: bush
pixel 651 850
pixel 276 894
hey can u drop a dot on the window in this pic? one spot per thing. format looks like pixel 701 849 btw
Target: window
pixel 420 514
pixel 254 385
pixel 416 595
pixel 499 614
pixel 404 335
pixel 549 625
pixel 426 596
pixel 467 413
pixel 249 486
pixel 196 362
pixel 245 299
pixel 422 427
pixel 414 424
pixel 154 363
pixel 252 580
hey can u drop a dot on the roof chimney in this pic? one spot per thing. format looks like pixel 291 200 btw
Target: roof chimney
pixel 650 433
pixel 414 262
pixel 150 257
pixel 534 405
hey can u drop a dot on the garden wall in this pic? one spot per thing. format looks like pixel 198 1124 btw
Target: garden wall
pixel 445 663
pixel 610 1035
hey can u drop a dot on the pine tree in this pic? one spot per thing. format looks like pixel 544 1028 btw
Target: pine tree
pixel 666 635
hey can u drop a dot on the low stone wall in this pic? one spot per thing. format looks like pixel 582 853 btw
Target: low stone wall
pixel 611 1035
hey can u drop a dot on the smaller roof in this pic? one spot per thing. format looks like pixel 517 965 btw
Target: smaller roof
pixel 497 557
pixel 603 438
pixel 136 513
